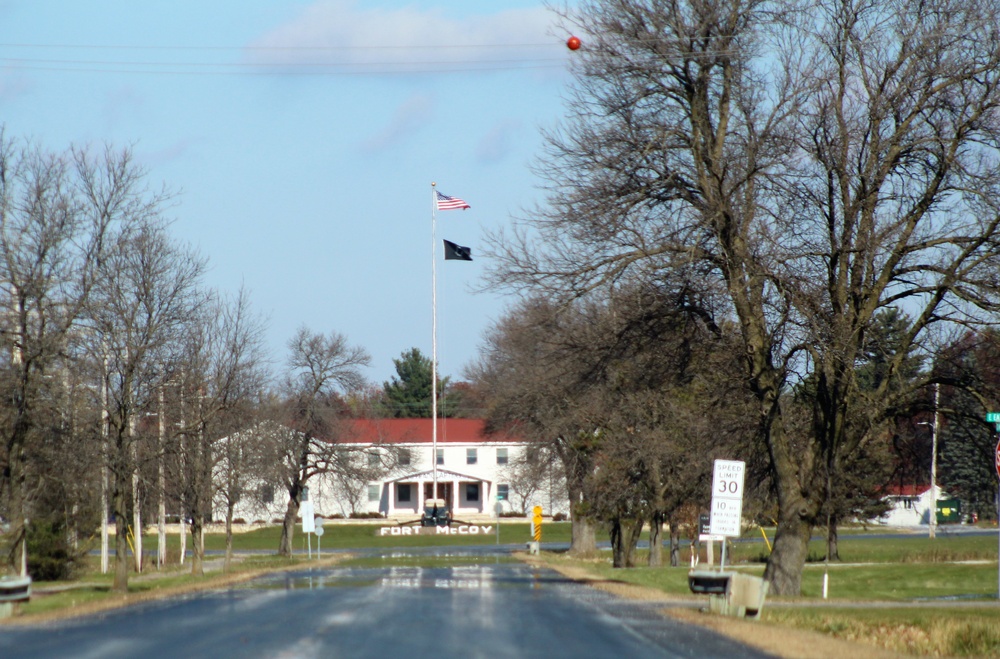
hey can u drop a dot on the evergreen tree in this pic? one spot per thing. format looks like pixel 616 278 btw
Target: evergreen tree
pixel 408 395
pixel 967 442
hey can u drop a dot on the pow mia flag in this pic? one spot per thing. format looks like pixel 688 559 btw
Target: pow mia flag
pixel 453 252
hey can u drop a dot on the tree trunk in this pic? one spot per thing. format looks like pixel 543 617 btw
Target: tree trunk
pixel 584 537
pixel 655 541
pixel 625 535
pixel 675 544
pixel 120 503
pixel 18 530
pixel 197 546
pixel 791 548
pixel 632 538
pixel 832 553
pixel 288 524
pixel 796 510
pixel 583 542
pixel 229 537
pixel 183 533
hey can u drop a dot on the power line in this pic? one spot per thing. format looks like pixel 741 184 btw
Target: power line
pixel 291 69
pixel 68 46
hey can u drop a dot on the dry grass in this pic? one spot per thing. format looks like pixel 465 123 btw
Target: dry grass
pixel 927 632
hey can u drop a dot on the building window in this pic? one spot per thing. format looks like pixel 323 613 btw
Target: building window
pixel 374 492
pixel 440 456
pixel 503 491
pixel 404 457
pixel 501 456
pixel 373 459
pixel 472 491
pixel 471 456
pixel 267 494
pixel 403 492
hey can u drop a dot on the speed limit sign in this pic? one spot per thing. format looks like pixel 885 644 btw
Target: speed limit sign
pixel 727 497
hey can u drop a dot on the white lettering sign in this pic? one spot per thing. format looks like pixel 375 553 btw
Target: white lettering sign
pixel 727 498
pixel 465 529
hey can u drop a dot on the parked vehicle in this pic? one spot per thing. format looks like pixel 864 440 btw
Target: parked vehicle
pixel 436 513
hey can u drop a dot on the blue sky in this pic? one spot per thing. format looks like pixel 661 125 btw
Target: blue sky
pixel 302 139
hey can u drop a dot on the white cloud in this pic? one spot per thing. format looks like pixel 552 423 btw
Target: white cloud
pixel 498 142
pixel 13 86
pixel 339 33
pixel 122 102
pixel 408 117
pixel 170 153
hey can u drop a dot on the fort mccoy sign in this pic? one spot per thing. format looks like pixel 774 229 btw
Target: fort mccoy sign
pixel 460 529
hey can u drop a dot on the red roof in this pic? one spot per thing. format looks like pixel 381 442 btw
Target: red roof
pixel 906 490
pixel 418 431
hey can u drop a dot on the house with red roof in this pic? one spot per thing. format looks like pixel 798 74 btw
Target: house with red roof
pixel 911 505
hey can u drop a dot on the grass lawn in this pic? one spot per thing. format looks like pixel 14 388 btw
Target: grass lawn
pixel 868 548
pixel 885 582
pixel 866 590
pixel 354 536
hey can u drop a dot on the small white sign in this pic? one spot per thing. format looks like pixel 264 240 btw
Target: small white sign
pixel 727 498
pixel 308 516
pixel 726 514
pixel 727 480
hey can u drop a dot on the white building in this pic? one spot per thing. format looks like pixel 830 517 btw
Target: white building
pixel 474 472
pixel 911 505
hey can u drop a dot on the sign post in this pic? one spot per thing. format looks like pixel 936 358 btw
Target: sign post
pixel 536 523
pixel 319 535
pixel 308 519
pixel 994 418
pixel 727 502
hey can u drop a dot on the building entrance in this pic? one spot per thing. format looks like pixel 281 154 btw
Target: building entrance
pixel 444 491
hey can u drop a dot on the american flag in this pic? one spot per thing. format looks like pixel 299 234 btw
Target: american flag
pixel 446 203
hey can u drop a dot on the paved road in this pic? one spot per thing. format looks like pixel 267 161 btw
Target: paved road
pixel 486 610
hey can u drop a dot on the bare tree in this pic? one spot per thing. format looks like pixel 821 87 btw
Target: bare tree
pixel 56 212
pixel 816 162
pixel 224 357
pixel 319 367
pixel 143 305
pixel 530 384
pixel 241 458
pixel 526 474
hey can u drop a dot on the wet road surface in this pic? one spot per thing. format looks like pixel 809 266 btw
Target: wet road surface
pixel 480 610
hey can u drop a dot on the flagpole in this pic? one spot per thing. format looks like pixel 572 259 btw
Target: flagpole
pixel 434 347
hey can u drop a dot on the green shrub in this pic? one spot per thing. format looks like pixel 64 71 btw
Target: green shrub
pixel 51 556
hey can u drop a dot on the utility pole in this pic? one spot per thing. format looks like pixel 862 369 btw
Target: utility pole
pixel 932 514
pixel 934 451
pixel 161 512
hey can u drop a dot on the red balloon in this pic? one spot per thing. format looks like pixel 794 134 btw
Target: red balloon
pixel 573 43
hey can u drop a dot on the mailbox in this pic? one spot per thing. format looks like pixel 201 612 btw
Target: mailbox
pixel 730 593
pixel 13 590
